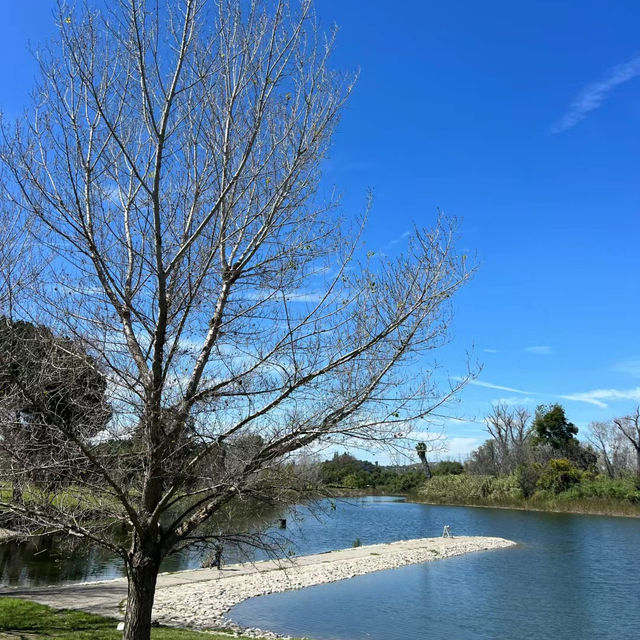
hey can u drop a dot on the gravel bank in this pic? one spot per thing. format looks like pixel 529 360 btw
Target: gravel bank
pixel 204 604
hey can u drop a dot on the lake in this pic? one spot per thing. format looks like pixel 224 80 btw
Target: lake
pixel 572 577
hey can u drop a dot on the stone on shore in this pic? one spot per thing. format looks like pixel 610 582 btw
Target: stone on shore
pixel 204 604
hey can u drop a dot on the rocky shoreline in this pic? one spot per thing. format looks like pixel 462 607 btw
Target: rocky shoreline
pixel 204 604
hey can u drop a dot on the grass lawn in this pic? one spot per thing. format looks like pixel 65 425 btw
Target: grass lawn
pixel 24 620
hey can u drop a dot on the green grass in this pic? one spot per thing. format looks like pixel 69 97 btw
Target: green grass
pixel 24 620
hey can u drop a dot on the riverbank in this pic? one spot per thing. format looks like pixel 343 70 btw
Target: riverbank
pixel 206 604
pixel 604 508
pixel 201 598
pixel 594 496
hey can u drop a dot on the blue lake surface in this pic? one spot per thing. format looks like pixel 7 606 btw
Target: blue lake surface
pixel 572 577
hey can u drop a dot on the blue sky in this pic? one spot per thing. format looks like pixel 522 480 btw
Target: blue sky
pixel 521 119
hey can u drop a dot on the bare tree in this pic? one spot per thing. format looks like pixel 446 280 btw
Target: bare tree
pixel 511 430
pixel 170 169
pixel 18 271
pixel 602 437
pixel 616 450
pixel 629 427
pixel 19 264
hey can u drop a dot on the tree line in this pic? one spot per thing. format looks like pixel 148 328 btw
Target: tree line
pixel 344 471
pixel 517 438
pixel 540 457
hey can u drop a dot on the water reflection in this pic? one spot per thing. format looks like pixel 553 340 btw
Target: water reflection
pixel 47 560
pixel 57 559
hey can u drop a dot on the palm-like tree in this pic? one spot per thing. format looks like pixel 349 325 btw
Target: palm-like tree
pixel 421 449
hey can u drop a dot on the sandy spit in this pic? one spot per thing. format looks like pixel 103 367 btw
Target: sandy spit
pixel 203 605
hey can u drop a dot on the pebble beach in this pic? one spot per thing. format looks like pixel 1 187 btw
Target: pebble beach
pixel 204 604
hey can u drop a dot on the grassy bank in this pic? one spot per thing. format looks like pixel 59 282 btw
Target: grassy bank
pixel 22 620
pixel 596 495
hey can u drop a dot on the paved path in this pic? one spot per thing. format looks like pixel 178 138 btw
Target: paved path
pixel 105 597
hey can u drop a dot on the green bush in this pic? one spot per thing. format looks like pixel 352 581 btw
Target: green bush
pixel 470 489
pixel 602 487
pixel 448 467
pixel 505 488
pixel 526 477
pixel 558 476
pixel 353 481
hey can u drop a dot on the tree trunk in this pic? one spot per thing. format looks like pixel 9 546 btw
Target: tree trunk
pixel 142 573
pixel 608 466
pixel 425 464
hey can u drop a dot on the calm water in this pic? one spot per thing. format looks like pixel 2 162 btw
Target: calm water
pixel 331 525
pixel 572 578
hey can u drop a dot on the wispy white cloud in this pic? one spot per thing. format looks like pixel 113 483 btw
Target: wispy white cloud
pixel 630 367
pixel 594 94
pixel 540 350
pixel 403 236
pixel 513 401
pixel 597 397
pixel 300 296
pixel 499 387
pixel 491 351
pixel 429 437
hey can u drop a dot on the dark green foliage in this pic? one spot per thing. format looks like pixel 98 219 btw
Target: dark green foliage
pixel 559 475
pixel 405 482
pixel 52 398
pixel 447 468
pixel 334 471
pixel 344 470
pixel 527 476
pixel 582 456
pixel 50 382
pixel 550 426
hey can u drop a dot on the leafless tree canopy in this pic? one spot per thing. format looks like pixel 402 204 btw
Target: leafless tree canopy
pixel 169 172
pixel 510 429
pixel 618 443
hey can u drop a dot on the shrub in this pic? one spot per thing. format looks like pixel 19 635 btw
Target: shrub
pixel 448 468
pixel 353 481
pixel 558 476
pixel 526 477
pixel 602 487
pixel 505 488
